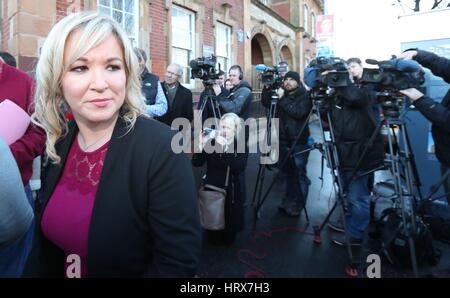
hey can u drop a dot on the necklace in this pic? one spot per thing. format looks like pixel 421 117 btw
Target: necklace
pixel 96 142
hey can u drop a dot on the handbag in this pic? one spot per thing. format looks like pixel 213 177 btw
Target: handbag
pixel 211 203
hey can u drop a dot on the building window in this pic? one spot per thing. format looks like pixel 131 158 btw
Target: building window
pixel 313 25
pixel 305 17
pixel 265 2
pixel 183 41
pixel 125 12
pixel 223 46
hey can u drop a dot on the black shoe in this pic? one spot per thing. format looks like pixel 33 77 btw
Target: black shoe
pixel 336 226
pixel 294 209
pixel 285 202
pixel 340 239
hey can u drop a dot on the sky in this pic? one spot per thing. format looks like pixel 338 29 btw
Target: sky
pixel 369 28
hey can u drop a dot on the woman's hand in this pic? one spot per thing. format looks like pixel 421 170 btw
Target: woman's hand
pixel 201 141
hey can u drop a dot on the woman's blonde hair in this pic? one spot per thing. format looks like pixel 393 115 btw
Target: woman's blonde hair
pixel 236 120
pixel 50 104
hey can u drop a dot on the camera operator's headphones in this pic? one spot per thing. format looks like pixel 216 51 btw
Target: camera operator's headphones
pixel 241 73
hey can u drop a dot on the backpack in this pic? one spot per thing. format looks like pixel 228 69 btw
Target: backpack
pixel 395 241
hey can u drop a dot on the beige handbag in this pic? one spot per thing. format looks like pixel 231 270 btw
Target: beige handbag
pixel 211 203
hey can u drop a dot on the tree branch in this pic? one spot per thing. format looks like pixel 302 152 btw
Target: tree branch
pixel 436 3
pixel 417 5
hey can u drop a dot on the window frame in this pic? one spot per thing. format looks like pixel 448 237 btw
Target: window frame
pixel 191 55
pixel 229 41
pixel 134 39
pixel 306 18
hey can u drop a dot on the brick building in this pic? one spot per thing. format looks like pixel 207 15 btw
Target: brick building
pixel 245 32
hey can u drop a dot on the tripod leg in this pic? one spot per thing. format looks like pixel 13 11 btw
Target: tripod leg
pixel 306 214
pixel 318 229
pixel 255 202
pixel 256 185
pixel 281 165
pixel 261 184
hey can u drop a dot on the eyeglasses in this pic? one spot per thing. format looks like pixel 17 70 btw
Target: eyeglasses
pixel 172 73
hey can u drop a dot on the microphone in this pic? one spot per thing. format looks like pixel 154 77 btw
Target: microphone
pixel 372 61
pixel 263 67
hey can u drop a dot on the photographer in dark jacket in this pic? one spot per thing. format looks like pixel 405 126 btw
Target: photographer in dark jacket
pixel 356 71
pixel 292 110
pixel 353 124
pixel 437 113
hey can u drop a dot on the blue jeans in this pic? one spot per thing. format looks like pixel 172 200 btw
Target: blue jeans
pixel 14 256
pixel 358 212
pixel 297 182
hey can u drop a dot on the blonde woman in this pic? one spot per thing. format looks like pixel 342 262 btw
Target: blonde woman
pixel 226 141
pixel 113 193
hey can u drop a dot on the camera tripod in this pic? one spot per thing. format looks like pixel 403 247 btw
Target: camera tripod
pixel 329 152
pixel 257 201
pixel 209 98
pixel 400 160
pixel 433 189
pixel 328 149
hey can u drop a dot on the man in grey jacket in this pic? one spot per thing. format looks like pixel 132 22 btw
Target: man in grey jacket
pixel 16 214
pixel 240 97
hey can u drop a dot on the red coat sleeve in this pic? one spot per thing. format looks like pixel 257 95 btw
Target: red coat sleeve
pixel 31 144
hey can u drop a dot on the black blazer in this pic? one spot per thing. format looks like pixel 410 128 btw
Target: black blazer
pixel 149 86
pixel 182 105
pixel 145 218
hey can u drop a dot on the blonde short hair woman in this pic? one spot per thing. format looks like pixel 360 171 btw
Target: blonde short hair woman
pixel 218 164
pixel 113 193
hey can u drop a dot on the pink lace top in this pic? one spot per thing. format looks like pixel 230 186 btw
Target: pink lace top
pixel 67 216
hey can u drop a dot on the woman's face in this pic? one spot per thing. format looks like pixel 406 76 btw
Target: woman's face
pixel 228 85
pixel 227 129
pixel 94 86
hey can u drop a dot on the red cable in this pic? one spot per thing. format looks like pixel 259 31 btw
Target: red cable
pixel 257 272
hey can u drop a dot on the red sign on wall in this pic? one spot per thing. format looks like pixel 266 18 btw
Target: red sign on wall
pixel 325 26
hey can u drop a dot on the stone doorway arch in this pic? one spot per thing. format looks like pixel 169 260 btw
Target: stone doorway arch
pixel 286 55
pixel 261 54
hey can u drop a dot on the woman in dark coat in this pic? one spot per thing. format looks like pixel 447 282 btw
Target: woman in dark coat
pixel 116 201
pixel 226 154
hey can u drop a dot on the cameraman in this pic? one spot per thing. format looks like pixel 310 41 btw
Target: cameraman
pixel 437 113
pixel 353 124
pixel 356 71
pixel 283 69
pixel 240 97
pixel 293 109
